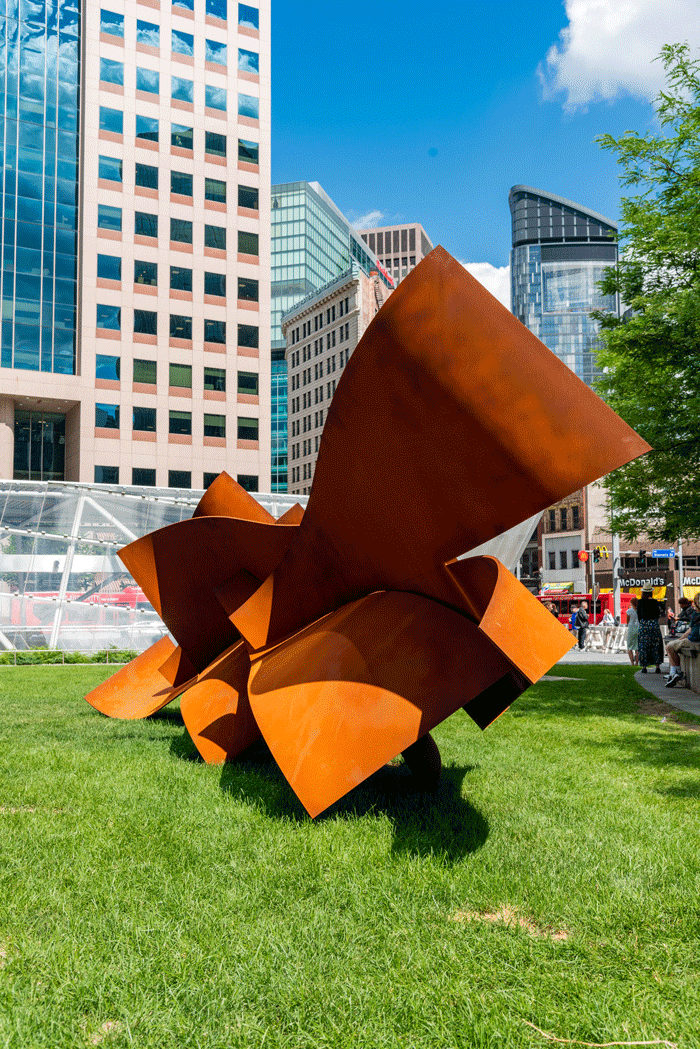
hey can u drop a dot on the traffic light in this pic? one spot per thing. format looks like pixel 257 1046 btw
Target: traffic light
pixel 643 557
pixel 596 555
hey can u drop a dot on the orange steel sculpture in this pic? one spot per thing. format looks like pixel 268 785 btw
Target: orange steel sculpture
pixel 345 633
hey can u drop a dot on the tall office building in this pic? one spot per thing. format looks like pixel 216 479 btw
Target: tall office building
pixel 398 248
pixel 560 251
pixel 312 244
pixel 136 251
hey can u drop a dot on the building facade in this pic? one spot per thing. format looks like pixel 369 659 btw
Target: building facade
pixel 398 248
pixel 136 261
pixel 321 333
pixel 312 244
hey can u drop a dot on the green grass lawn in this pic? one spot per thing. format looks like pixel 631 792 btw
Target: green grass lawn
pixel 149 900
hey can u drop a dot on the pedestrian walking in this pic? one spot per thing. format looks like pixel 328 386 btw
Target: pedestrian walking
pixel 651 645
pixel 582 625
pixel 633 633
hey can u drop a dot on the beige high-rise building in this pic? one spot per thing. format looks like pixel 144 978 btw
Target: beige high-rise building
pixel 136 257
pixel 398 248
pixel 321 333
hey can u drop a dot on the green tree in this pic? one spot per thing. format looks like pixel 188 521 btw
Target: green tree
pixel 651 356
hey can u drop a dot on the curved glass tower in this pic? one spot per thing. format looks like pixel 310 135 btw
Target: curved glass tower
pixel 560 251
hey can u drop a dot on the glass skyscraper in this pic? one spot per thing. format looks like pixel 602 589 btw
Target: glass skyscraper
pixel 312 243
pixel 40 74
pixel 560 251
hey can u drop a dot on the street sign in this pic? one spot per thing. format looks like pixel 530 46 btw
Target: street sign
pixel 663 553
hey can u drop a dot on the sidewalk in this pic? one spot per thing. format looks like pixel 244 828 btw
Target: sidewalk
pixel 679 697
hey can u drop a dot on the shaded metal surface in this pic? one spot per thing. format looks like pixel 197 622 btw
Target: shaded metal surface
pixel 362 628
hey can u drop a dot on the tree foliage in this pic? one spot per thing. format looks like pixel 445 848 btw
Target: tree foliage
pixel 651 356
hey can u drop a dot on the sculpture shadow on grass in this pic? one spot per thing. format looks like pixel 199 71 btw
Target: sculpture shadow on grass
pixel 439 823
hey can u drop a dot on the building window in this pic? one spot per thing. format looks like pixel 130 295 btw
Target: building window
pixel 249 106
pixel 107 367
pixel 248 17
pixel 110 168
pixel 248 335
pixel 215 189
pixel 248 243
pixel 187 4
pixel 215 331
pixel 248 197
pixel 574 558
pixel 248 383
pixel 552 520
pixel 145 372
pixel 214 143
pixel 106 475
pixel 215 379
pixel 112 23
pixel 215 52
pixel 180 278
pixel 248 61
pixel 180 327
pixel 564 520
pixel 111 120
pixel 147 128
pixel 145 419
pixel 109 217
pixel 109 267
pixel 181 183
pixel 179 479
pixel 109 317
pixel 552 560
pixel 107 416
pixel 147 175
pixel 215 284
pixel 248 152
pixel 247 429
pixel 181 376
pixel 563 559
pixel 215 237
pixel 214 425
pixel 180 422
pixel 181 231
pixel 145 225
pixel 181 136
pixel 143 478
pixel 215 97
pixel 147 80
pixel 145 322
pixel 209 479
pixel 575 516
pixel 182 43
pixel 147 33
pixel 111 72
pixel 247 289
pixel 217 9
pixel 146 273
pixel 249 482
pixel 181 89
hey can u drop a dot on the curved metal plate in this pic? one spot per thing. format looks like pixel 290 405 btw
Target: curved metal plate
pixel 140 688
pixel 216 710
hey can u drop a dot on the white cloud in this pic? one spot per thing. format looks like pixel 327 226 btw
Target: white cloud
pixel 495 279
pixel 368 221
pixel 609 46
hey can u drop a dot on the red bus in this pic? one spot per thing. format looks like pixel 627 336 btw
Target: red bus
pixel 604 602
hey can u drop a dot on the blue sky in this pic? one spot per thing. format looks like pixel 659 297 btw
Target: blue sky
pixel 430 112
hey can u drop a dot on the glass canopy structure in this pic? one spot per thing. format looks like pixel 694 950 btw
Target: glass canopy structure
pixel 61 583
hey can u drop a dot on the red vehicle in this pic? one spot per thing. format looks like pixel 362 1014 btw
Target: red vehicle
pixel 604 602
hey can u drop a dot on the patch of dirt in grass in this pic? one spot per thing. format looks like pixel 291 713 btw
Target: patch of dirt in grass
pixel 509 916
pixel 3 955
pixel 109 1027
pixel 657 708
pixel 7 811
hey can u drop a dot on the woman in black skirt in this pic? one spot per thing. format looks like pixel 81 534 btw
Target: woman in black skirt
pixel 651 645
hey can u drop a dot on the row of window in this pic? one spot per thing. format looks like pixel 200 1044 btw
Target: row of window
pixel 566 522
pixel 181 276
pixel 113 23
pixel 108 366
pixel 299 450
pixel 110 168
pixel 148 128
pixel 343 335
pixel 299 404
pixel 146 223
pixel 146 478
pixel 107 417
pixel 180 328
pixel 306 329
pixel 112 72
pixel 307 474
pixel 563 559
pixel 147 176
